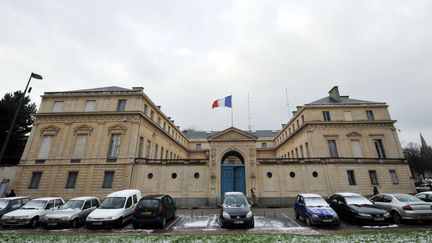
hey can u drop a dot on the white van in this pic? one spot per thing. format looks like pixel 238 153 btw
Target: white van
pixel 116 209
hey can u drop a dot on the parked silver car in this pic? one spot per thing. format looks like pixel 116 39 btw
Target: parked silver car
pixel 403 206
pixel 425 196
pixel 72 214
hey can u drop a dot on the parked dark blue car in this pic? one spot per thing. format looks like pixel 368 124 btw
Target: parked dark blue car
pixel 314 210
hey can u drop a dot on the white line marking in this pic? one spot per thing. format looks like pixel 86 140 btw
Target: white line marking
pixel 175 221
pixel 291 220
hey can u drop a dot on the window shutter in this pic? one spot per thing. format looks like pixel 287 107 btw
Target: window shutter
pixel 45 147
pixel 80 144
pixel 356 148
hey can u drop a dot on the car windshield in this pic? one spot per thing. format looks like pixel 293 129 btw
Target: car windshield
pixel 148 203
pixel 113 202
pixel 72 204
pixel 35 204
pixel 357 200
pixel 315 202
pixel 407 198
pixel 3 203
pixel 235 201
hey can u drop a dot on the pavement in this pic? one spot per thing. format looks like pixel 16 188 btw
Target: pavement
pixel 205 221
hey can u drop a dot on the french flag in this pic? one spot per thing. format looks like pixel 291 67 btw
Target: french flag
pixel 224 102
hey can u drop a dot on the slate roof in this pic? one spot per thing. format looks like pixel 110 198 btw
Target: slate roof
pixel 345 100
pixel 101 89
pixel 194 135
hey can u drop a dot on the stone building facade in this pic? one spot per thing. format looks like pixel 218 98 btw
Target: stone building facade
pixel 95 141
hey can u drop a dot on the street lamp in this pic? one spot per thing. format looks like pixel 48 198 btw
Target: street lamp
pixel 5 143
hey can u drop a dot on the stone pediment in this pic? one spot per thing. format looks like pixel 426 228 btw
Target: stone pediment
pixel 232 134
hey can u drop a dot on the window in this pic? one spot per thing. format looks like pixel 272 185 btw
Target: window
pixel 114 146
pixel 145 109
pixel 162 152
pixel 71 180
pixel 95 203
pixel 198 146
pixel 356 149
pixel 141 147
pixel 164 125
pixel 298 124
pixel 269 175
pixel 373 177
pixel 326 115
pixel 121 105
pixel 166 154
pixel 370 115
pixel 302 118
pixel 292 174
pixel 135 199
pixel 296 153
pixel 148 147
pixel 393 177
pixel 45 147
pixel 58 106
pixel 156 151
pixel 301 151
pixel 332 148
pixel 379 148
pixel 90 105
pixel 351 178
pixel 87 205
pixel 80 144
pixel 50 204
pixel 307 150
pixel 263 145
pixel 174 175
pixel 108 179
pixel 315 174
pixel 151 115
pixel 35 180
pixel 159 121
pixel 196 175
pixel 150 175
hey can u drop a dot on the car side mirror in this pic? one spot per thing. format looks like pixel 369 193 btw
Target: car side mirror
pixel 219 206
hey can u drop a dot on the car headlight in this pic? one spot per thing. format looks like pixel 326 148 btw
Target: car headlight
pixel 364 215
pixel 225 215
pixel 387 215
pixel 335 216
pixel 24 217
pixel 64 218
pixel 314 216
pixel 249 214
pixel 89 218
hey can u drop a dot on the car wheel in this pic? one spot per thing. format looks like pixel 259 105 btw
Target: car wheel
pixel 74 223
pixel 308 221
pixel 34 222
pixel 297 215
pixel 119 223
pixel 163 223
pixel 396 217
pixel 252 224
pixel 135 226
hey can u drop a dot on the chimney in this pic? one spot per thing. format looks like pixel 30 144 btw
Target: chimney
pixel 159 107
pixel 283 125
pixel 334 94
pixel 138 88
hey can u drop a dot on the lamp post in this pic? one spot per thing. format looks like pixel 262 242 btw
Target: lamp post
pixel 5 143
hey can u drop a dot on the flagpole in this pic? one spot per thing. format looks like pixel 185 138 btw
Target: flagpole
pixel 232 120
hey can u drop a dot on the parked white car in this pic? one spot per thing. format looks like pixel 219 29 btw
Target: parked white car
pixel 31 212
pixel 116 209
pixel 72 214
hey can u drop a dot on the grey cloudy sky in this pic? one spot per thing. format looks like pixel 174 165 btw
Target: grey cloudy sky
pixel 188 53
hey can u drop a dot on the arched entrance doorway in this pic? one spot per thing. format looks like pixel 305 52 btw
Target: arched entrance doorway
pixel 233 173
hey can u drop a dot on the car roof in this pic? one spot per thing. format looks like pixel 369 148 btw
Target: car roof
pixel 233 193
pixel 309 195
pixel 346 194
pixel 13 198
pixel 154 196
pixel 83 198
pixel 48 198
pixel 429 192
pixel 394 194
pixel 124 193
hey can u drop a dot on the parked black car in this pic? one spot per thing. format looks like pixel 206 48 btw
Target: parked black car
pixel 357 209
pixel 154 209
pixel 236 211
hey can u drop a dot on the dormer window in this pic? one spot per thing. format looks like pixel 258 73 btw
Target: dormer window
pixel 326 115
pixel 58 106
pixel 121 106
pixel 370 115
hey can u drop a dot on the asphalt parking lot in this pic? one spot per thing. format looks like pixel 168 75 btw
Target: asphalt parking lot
pixel 202 221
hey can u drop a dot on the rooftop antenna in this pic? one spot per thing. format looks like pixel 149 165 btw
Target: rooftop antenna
pixel 249 117
pixel 287 103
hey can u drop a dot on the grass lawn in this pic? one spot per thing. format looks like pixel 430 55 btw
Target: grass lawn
pixel 394 237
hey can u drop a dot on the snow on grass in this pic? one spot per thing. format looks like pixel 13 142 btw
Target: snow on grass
pixel 393 237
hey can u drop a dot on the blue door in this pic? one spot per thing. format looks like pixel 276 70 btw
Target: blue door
pixel 233 178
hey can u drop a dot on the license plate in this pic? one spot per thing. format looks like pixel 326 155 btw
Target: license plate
pixel 327 220
pixel 238 222
pixel 379 219
pixel 97 223
pixel 147 213
pixel 12 221
pixel 52 224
